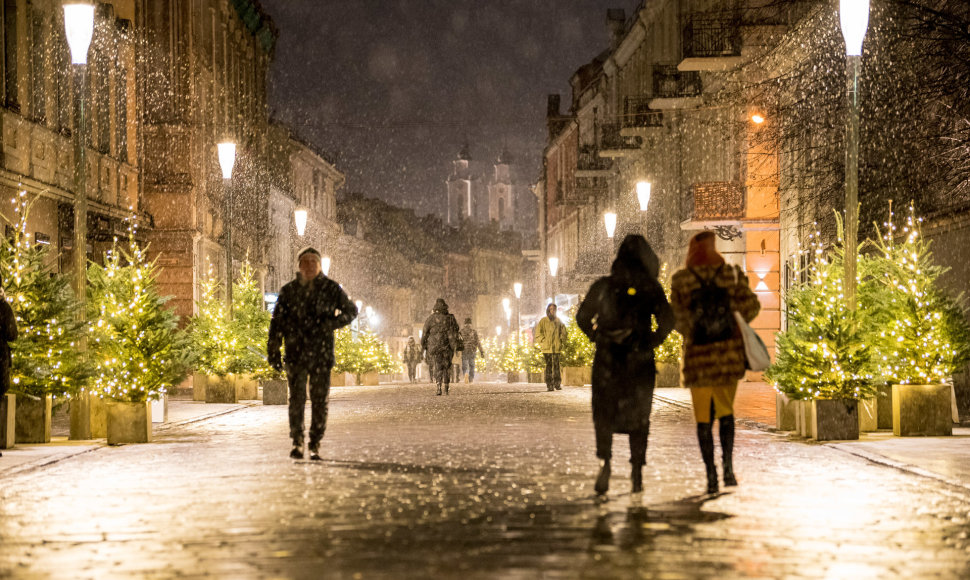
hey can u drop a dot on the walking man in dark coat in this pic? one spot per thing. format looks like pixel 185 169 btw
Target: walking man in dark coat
pixel 469 336
pixel 439 341
pixel 308 311
pixel 8 334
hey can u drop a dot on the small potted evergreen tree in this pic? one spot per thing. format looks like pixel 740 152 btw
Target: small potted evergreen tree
pixel 577 355
pixel 138 350
pixel 213 345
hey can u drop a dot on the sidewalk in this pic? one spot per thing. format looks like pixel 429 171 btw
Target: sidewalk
pixel 945 459
pixel 27 456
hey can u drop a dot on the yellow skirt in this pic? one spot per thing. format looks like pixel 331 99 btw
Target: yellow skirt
pixel 723 398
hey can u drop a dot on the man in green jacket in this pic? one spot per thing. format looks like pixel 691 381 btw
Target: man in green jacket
pixel 550 337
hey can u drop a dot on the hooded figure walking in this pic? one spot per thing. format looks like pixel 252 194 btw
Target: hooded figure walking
pixel 439 341
pixel 712 365
pixel 411 356
pixel 617 314
pixel 308 311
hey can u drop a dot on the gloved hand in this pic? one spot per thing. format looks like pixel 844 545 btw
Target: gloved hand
pixel 275 361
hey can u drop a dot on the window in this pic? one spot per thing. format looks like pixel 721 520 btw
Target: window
pixel 501 210
pixel 10 85
pixel 38 68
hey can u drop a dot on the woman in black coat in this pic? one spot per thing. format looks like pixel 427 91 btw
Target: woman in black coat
pixel 617 314
pixel 8 334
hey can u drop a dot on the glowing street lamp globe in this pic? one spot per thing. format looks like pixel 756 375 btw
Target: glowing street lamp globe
pixel 609 219
pixel 553 266
pixel 299 216
pixel 227 158
pixel 854 19
pixel 325 265
pixel 517 288
pixel 79 29
pixel 643 194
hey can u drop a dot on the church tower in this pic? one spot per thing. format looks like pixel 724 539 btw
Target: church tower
pixel 464 189
pixel 501 196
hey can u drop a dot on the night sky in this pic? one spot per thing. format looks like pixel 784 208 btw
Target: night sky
pixel 390 89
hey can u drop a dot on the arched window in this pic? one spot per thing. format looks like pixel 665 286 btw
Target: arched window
pixel 501 210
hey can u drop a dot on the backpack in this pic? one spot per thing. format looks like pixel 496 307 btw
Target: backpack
pixel 617 317
pixel 710 311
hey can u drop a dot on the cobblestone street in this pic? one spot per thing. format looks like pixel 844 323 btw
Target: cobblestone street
pixel 493 481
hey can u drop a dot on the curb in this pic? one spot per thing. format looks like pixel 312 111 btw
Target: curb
pixel 97 444
pixel 898 465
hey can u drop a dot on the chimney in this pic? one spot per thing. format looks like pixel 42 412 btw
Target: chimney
pixel 615 25
pixel 552 113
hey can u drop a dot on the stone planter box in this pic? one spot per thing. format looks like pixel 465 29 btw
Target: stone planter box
pixel 868 415
pixel 88 417
pixel 160 410
pixel 341 379
pixel 920 410
pixel 835 419
pixel 247 388
pixel 275 392
pixel 668 375
pixel 785 411
pixel 8 422
pixel 369 379
pixel 577 376
pixel 221 389
pixel 129 422
pixel 512 376
pixel 33 419
pixel 803 418
pixel 537 377
pixel 884 406
pixel 199 381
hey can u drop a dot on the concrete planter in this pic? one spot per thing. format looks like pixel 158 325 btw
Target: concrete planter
pixel 160 410
pixel 537 377
pixel 921 410
pixel 199 381
pixel 129 422
pixel 369 379
pixel 576 376
pixel 33 419
pixel 247 388
pixel 341 379
pixel 275 392
pixel 8 423
pixel 868 415
pixel 884 406
pixel 88 417
pixel 220 389
pixel 512 376
pixel 785 410
pixel 668 375
pixel 835 419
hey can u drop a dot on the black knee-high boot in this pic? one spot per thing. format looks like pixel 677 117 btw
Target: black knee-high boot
pixel 726 432
pixel 705 436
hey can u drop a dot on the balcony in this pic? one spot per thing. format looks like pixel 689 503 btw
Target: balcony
pixel 583 191
pixel 675 89
pixel 713 205
pixel 614 144
pixel 638 118
pixel 711 43
pixel 590 164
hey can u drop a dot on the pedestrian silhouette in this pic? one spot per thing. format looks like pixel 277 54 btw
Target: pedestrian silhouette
pixel 8 334
pixel 439 341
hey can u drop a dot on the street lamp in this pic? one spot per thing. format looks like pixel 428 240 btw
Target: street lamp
pixel 854 19
pixel 643 194
pixel 507 307
pixel 227 158
pixel 609 218
pixel 517 289
pixel 79 30
pixel 299 216
pixel 325 265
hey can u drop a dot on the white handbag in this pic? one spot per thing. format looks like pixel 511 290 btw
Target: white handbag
pixel 755 351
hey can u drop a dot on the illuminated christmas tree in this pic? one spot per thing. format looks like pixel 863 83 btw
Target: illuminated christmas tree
pixel 671 348
pixel 515 353
pixel 211 339
pixel 578 350
pixel 924 336
pixel 249 326
pixel 46 355
pixel 363 354
pixel 138 350
pixel 826 351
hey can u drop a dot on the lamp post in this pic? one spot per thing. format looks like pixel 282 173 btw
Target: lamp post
pixel 553 268
pixel 643 197
pixel 517 289
pixel 325 265
pixel 79 30
pixel 299 217
pixel 227 158
pixel 854 19
pixel 507 307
